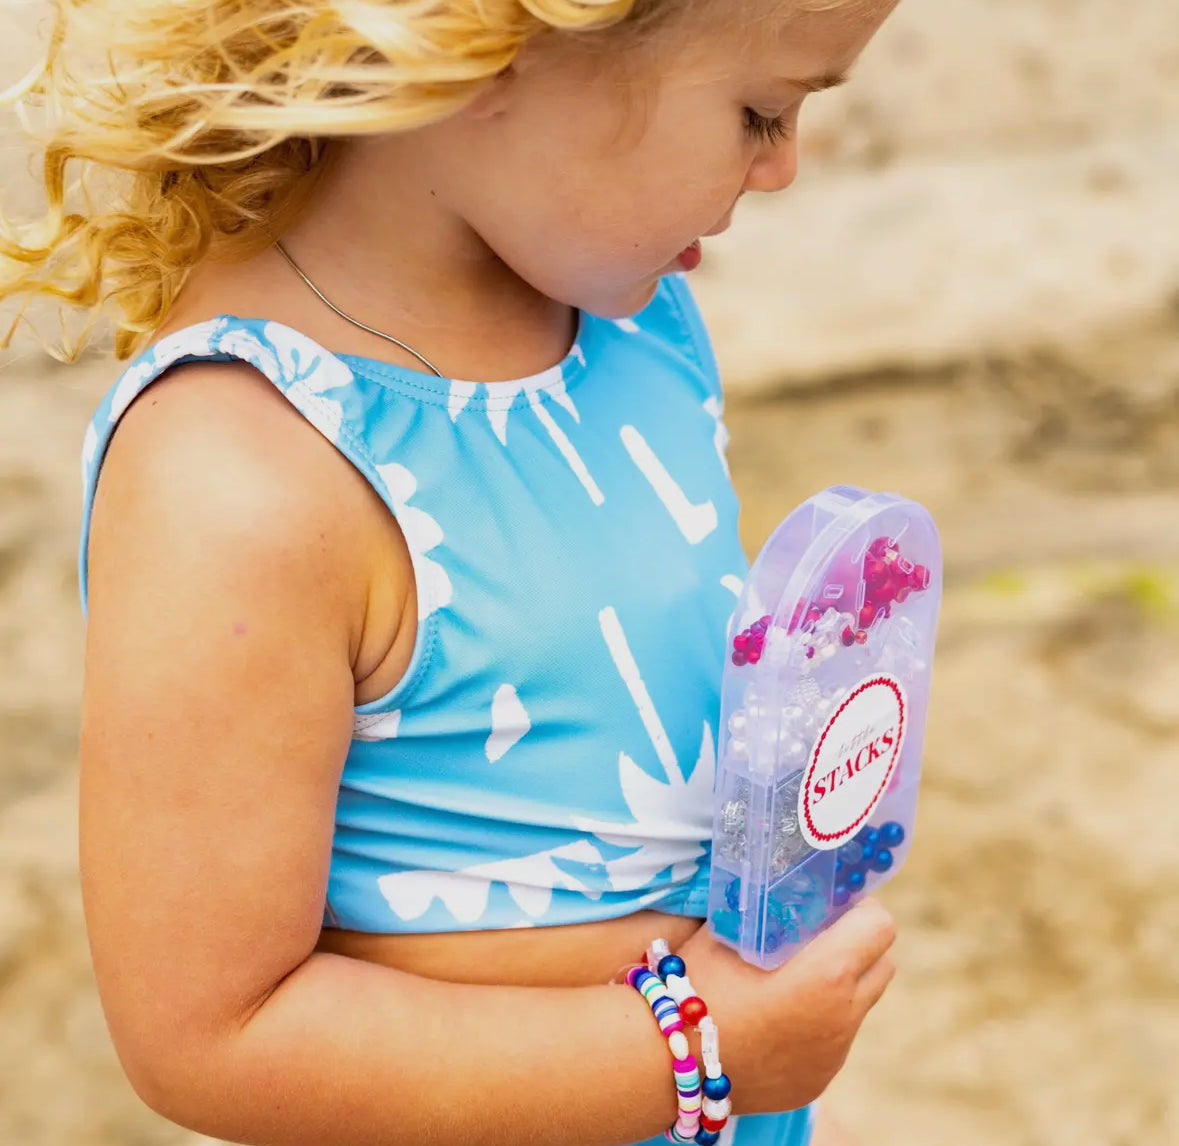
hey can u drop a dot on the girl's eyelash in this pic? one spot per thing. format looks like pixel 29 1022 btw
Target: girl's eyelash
pixel 767 130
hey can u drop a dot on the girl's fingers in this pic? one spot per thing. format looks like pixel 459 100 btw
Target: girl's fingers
pixel 874 982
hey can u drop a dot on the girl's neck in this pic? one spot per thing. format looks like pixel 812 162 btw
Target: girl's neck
pixel 380 243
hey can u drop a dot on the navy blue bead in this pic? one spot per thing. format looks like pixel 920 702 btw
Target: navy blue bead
pixel 707 1137
pixel 868 835
pixel 733 894
pixel 869 857
pixel 892 834
pixel 882 860
pixel 717 1088
pixel 670 965
pixel 838 865
pixel 855 882
pixel 851 854
pixel 840 895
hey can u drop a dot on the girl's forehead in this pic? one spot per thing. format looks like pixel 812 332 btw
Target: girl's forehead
pixel 814 43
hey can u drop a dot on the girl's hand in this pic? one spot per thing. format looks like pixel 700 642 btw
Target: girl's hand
pixel 785 1034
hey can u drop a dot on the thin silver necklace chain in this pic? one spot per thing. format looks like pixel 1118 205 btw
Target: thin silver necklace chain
pixel 355 321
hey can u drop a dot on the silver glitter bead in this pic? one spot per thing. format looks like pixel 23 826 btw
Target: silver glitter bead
pixel 733 817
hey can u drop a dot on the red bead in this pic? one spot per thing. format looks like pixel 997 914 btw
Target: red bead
pixel 902 594
pixel 740 659
pixel 741 641
pixel 868 615
pixel 848 637
pixel 753 656
pixel 861 637
pixel 713 1124
pixel 692 1010
pixel 919 578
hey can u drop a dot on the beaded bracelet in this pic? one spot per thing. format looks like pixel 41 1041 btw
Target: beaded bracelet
pixel 704 1106
pixel 716 1104
pixel 685 1066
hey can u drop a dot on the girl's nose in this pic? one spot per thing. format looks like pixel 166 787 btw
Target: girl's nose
pixel 775 168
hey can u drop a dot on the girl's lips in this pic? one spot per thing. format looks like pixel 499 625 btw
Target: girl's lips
pixel 689 258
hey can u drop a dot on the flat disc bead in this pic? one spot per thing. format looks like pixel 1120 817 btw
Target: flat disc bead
pixel 651 988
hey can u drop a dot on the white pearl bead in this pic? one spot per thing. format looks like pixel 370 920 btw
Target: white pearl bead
pixel 739 751
pixel 738 723
pixel 677 1043
pixel 713 1108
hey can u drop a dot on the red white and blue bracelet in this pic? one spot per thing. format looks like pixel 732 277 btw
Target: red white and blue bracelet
pixel 704 1104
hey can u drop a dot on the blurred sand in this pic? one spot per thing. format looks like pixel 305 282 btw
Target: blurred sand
pixel 972 298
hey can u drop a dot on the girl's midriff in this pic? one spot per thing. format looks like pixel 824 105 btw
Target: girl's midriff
pixel 577 955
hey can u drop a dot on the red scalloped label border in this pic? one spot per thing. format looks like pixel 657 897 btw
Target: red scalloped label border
pixel 829 840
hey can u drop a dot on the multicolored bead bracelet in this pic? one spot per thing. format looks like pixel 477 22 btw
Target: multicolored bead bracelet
pixel 704 1105
pixel 715 1089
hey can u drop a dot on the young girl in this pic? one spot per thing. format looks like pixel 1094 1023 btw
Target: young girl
pixel 402 679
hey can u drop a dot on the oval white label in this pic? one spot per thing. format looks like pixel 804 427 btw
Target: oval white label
pixel 853 762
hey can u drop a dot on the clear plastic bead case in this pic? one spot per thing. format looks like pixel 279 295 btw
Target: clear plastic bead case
pixel 823 707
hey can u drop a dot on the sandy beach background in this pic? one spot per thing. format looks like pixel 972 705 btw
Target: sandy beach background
pixel 971 297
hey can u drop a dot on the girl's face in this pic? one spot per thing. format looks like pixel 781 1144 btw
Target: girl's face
pixel 589 179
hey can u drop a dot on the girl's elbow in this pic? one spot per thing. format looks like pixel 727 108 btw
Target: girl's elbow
pixel 175 1085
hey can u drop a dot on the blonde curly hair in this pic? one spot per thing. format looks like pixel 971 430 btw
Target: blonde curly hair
pixel 208 125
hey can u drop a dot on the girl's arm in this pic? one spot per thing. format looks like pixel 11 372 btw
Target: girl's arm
pixel 230 566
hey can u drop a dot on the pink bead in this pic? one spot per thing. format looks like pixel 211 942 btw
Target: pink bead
pixel 685 1065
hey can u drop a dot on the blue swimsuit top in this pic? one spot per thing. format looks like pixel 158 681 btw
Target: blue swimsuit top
pixel 549 755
